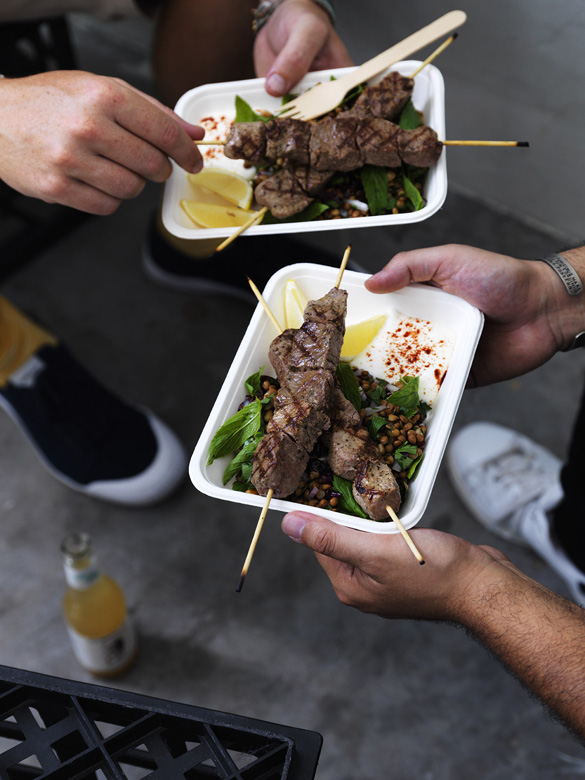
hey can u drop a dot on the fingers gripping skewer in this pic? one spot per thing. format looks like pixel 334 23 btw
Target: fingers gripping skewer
pixel 406 535
pixel 270 493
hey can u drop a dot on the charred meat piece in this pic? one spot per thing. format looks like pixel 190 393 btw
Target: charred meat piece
pixel 331 308
pixel 333 145
pixel 291 189
pixel 283 194
pixel 348 448
pixel 304 361
pixel 317 345
pixel 247 141
pixel 419 147
pixel 377 142
pixel 316 387
pixel 311 180
pixel 300 420
pixel 288 138
pixel 386 99
pixel 278 464
pixel 374 488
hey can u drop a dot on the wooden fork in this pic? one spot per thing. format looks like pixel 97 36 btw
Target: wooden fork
pixel 325 96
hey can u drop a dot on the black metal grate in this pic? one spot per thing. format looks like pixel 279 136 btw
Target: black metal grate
pixel 57 729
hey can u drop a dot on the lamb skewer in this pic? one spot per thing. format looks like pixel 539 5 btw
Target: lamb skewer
pixel 309 397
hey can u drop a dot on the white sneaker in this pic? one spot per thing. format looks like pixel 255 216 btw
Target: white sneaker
pixel 510 484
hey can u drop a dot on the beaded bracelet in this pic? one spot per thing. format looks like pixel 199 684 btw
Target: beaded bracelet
pixel 266 8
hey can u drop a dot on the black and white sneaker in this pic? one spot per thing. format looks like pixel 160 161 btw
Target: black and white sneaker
pixel 257 257
pixel 87 437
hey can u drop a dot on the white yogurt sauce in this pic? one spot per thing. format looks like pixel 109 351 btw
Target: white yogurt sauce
pixel 413 347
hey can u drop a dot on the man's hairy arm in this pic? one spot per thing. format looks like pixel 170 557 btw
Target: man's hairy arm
pixel 538 635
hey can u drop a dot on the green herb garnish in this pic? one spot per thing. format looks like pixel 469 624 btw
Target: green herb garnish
pixel 349 385
pixel 245 112
pixel 375 424
pixel 243 457
pixel 407 397
pixel 413 194
pixel 375 184
pixel 410 117
pixel 348 502
pixel 236 430
pixel 403 455
pixel 252 383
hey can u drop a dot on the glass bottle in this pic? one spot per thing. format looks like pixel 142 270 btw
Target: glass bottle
pixel 94 607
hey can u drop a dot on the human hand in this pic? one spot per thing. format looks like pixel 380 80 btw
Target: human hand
pixel 527 309
pixel 88 141
pixel 378 573
pixel 298 38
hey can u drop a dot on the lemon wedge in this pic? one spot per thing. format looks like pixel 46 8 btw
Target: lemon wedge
pixel 294 304
pixel 358 336
pixel 210 215
pixel 231 186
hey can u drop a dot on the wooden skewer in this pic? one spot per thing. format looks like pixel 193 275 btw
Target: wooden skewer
pixel 445 143
pixel 342 266
pixel 485 143
pixel 435 54
pixel 217 142
pixel 266 307
pixel 254 541
pixel 258 217
pixel 406 535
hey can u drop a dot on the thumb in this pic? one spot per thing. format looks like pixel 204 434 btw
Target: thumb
pixel 304 44
pixel 323 536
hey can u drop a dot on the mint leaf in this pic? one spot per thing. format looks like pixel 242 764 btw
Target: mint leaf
pixel 244 456
pixel 348 502
pixel 413 194
pixel 376 395
pixel 414 468
pixel 375 184
pixel 375 424
pixel 409 118
pixel 401 455
pixel 252 383
pixel 407 397
pixel 235 431
pixel 245 112
pixel 312 211
pixel 349 384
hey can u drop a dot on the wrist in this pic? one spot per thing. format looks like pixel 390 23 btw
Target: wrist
pixel 266 8
pixel 565 275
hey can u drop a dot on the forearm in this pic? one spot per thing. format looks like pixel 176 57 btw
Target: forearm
pixel 538 635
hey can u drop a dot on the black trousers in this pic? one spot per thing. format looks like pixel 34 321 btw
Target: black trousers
pixel 569 515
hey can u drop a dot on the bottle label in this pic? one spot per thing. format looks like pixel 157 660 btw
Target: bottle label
pixel 107 653
pixel 81 579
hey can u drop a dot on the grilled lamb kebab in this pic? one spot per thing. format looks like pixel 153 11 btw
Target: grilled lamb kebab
pixel 305 361
pixel 341 143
